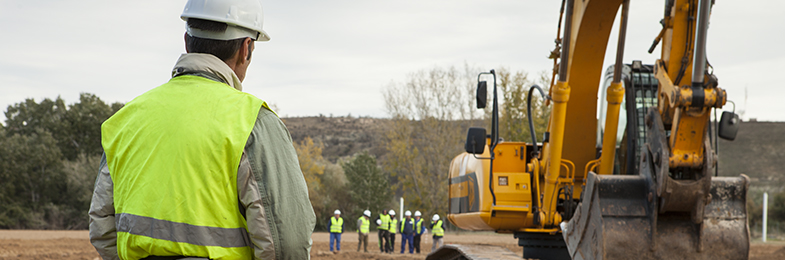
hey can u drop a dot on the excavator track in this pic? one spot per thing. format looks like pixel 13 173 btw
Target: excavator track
pixel 472 252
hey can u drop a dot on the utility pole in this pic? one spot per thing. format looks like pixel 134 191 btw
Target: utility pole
pixel 765 213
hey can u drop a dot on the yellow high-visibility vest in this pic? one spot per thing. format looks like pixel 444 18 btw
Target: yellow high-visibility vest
pixel 385 222
pixel 173 154
pixel 336 225
pixel 393 225
pixel 437 229
pixel 365 225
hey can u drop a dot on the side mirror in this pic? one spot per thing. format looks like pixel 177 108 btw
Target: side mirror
pixel 475 140
pixel 482 95
pixel 729 126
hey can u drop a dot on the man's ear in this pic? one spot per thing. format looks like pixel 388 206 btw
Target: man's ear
pixel 248 43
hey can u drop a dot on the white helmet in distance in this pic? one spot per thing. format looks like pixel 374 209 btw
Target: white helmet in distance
pixel 378 222
pixel 337 212
pixel 367 213
pixel 408 213
pixel 244 17
pixel 417 213
pixel 392 212
pixel 435 217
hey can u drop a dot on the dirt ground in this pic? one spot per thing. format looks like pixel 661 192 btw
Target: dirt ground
pixel 75 245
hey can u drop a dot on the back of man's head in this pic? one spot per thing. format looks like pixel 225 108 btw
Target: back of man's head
pixel 223 49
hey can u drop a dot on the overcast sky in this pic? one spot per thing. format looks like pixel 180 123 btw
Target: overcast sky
pixel 334 57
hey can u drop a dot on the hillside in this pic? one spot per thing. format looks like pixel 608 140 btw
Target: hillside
pixel 341 136
pixel 758 151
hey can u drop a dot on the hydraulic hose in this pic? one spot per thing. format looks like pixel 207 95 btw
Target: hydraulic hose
pixel 529 116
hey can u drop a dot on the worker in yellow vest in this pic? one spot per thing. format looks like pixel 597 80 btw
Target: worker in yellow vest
pixel 196 167
pixel 419 228
pixel 393 229
pixel 363 228
pixel 438 232
pixel 385 233
pixel 336 229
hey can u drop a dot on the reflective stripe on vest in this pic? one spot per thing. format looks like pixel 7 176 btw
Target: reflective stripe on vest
pixel 418 226
pixel 365 226
pixel 173 154
pixel 336 226
pixel 394 224
pixel 181 232
pixel 437 229
pixel 385 222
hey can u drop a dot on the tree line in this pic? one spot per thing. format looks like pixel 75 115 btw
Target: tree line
pixel 49 156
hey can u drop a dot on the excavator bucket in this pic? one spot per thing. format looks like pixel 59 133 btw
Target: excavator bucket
pixel 618 218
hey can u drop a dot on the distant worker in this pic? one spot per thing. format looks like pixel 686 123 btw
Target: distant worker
pixel 196 167
pixel 336 229
pixel 363 228
pixel 407 232
pixel 385 218
pixel 418 230
pixel 379 231
pixel 393 229
pixel 438 232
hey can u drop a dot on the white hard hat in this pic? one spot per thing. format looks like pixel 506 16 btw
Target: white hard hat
pixel 417 213
pixel 408 213
pixel 367 213
pixel 337 212
pixel 244 17
pixel 435 217
pixel 392 212
pixel 379 222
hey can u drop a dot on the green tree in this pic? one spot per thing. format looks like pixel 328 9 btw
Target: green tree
pixel 32 177
pixel 76 128
pixel 82 123
pixel 368 186
pixel 513 119
pixel 49 156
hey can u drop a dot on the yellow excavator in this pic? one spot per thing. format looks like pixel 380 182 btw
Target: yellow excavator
pixel 639 182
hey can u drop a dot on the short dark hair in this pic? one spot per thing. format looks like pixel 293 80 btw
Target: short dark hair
pixel 223 49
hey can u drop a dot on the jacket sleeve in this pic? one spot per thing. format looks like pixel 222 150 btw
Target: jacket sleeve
pixel 103 233
pixel 273 193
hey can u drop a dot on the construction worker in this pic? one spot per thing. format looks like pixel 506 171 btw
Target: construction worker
pixel 384 227
pixel 196 167
pixel 419 228
pixel 363 227
pixel 438 232
pixel 393 229
pixel 336 229
pixel 407 232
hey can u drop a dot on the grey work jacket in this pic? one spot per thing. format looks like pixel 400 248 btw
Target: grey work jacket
pixel 270 184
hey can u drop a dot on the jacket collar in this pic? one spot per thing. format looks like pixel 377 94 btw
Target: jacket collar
pixel 207 65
